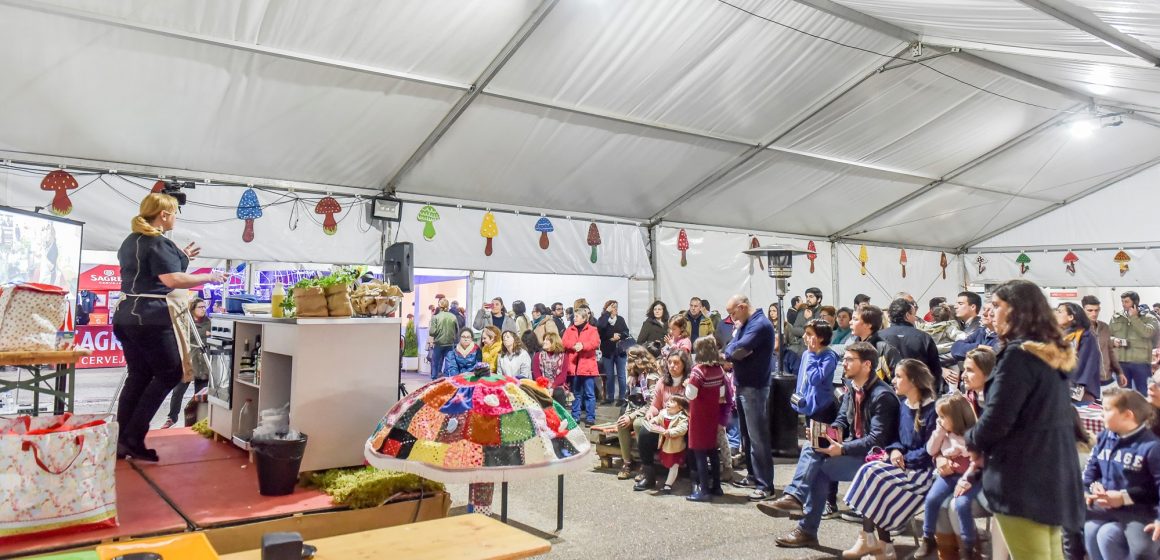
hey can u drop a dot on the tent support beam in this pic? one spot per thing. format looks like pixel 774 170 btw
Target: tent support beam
pixel 1087 22
pixel 505 54
pixel 1026 135
pixel 1088 192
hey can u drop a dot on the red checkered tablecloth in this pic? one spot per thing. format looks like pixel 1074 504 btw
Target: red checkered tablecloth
pixel 1092 417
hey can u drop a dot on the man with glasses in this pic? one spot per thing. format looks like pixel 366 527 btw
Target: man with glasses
pixel 558 317
pixel 751 353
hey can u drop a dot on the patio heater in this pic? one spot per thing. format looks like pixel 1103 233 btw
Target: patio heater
pixel 782 417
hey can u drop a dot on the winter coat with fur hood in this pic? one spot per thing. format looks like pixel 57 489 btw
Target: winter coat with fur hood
pixel 1026 434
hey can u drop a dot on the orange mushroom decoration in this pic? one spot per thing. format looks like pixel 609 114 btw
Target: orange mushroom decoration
pixel 1122 259
pixel 159 186
pixel 902 261
pixel 328 206
pixel 812 255
pixel 59 181
pixel 753 244
pixel 942 263
pixel 683 246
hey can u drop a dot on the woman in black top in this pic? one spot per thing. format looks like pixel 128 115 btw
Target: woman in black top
pixel 613 330
pixel 656 325
pixel 151 267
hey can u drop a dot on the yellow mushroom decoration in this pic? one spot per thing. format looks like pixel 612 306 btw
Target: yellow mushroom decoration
pixel 488 230
pixel 863 257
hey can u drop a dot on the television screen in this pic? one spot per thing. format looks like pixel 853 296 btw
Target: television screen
pixel 38 248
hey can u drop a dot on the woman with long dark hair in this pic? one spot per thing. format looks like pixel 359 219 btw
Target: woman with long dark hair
pixel 656 324
pixel 1077 331
pixel 1028 424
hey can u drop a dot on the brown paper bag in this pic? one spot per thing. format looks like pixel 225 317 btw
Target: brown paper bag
pixel 338 300
pixel 310 302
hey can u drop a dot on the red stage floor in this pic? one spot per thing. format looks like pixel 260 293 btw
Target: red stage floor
pixel 210 483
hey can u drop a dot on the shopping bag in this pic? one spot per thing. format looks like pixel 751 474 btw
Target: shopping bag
pixel 57 475
pixel 30 316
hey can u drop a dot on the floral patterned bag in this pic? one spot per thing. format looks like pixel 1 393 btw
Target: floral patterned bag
pixel 58 475
pixel 30 316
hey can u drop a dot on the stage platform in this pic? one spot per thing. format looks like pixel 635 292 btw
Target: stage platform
pixel 206 485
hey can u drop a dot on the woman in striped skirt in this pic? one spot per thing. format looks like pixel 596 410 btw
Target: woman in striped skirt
pixel 888 493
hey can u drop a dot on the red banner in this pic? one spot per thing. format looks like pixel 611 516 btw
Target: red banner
pixel 101 278
pixel 106 348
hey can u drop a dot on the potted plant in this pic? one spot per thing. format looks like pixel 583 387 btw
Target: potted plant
pixel 410 346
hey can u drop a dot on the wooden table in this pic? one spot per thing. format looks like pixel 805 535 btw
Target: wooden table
pixel 463 537
pixel 60 384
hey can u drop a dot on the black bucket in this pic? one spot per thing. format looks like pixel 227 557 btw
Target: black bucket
pixel 278 461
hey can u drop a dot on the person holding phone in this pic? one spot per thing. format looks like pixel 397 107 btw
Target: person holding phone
pixel 1132 336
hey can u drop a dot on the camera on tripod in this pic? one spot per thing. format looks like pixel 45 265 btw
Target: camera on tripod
pixel 173 188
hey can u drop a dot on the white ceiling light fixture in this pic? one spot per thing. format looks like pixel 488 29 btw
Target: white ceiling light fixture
pixel 1082 129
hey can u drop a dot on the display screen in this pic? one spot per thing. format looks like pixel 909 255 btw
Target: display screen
pixel 40 249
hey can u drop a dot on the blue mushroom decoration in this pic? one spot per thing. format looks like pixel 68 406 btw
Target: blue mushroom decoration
pixel 249 209
pixel 544 226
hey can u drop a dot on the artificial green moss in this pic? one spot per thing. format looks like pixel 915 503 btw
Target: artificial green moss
pixel 365 487
pixel 202 427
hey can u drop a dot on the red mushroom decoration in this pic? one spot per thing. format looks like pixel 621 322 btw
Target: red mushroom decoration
pixel 753 244
pixel 683 246
pixel 902 261
pixel 328 206
pixel 942 263
pixel 59 181
pixel 1069 260
pixel 159 186
pixel 593 240
pixel 812 255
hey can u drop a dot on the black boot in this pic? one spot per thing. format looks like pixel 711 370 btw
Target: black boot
pixel 715 474
pixel 649 481
pixel 701 493
pixel 927 549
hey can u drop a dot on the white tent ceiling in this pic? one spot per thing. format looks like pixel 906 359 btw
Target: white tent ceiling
pixel 808 117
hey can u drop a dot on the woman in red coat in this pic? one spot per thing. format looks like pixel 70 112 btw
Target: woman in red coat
pixel 581 341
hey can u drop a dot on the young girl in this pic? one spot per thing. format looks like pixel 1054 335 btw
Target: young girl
pixel 465 355
pixel 976 369
pixel 1121 481
pixel 672 424
pixel 815 384
pixel 549 364
pixel 513 359
pixel 709 393
pixel 678 337
pixel 949 449
pixel 491 344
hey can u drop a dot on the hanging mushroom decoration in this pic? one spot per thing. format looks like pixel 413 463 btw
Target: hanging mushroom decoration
pixel 812 255
pixel 1122 259
pixel 1024 263
pixel 428 215
pixel 1069 260
pixel 753 244
pixel 159 186
pixel 544 226
pixel 980 264
pixel 683 246
pixel 593 240
pixel 863 258
pixel 488 230
pixel 61 182
pixel 942 263
pixel 902 261
pixel 249 209
pixel 328 206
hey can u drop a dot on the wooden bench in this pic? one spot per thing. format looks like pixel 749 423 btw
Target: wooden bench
pixel 607 445
pixel 463 537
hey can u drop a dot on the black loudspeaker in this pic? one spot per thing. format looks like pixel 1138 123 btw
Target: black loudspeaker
pixel 399 265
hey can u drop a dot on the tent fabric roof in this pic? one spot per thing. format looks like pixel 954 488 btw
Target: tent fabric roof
pixel 808 117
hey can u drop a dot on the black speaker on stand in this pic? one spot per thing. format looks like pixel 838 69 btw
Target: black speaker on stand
pixel 399 265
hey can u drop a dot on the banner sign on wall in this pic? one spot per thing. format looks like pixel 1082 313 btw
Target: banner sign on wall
pixel 101 278
pixel 107 351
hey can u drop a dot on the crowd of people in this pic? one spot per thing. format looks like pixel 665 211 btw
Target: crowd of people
pixel 941 416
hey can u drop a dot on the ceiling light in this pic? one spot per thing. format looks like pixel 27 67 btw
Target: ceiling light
pixel 1082 129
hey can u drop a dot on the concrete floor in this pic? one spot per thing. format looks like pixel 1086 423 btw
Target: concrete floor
pixel 603 517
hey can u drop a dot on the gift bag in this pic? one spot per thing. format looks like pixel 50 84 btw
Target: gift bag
pixel 310 302
pixel 338 300
pixel 30 316
pixel 58 475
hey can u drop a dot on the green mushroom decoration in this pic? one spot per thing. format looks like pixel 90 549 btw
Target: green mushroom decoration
pixel 1024 263
pixel 249 209
pixel 593 240
pixel 328 206
pixel 544 226
pixel 428 215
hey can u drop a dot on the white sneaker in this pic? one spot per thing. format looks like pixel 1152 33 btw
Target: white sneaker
pixel 887 553
pixel 866 544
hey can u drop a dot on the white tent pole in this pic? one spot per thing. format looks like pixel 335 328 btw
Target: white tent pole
pixel 1089 23
pixel 505 54
pixel 1131 172
pixel 835 284
pixel 236 45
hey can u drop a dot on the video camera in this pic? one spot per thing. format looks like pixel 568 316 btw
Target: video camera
pixel 173 188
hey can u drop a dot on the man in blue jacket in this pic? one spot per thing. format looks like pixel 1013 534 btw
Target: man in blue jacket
pixel 751 352
pixel 985 335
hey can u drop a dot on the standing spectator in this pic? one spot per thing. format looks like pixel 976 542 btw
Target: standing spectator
pixel 774 315
pixel 911 342
pixel 490 344
pixel 655 325
pixel 710 398
pixel 699 323
pixel 520 315
pixel 514 360
pixel 714 316
pixel 868 418
pixel 464 356
pixel 865 327
pixel 1028 422
pixel 1110 370
pixel 945 331
pixel 934 302
pixel 967 309
pixel 795 303
pixel 724 331
pixel 494 313
pixel 677 368
pixel 1085 380
pixel 542 322
pixel 443 330
pixel 558 317
pixel 460 318
pixel 750 351
pixel 549 362
pixel 842 331
pixel 678 337
pixel 1132 338
pixel 860 301
pixel 889 492
pixel 808 310
pixel 197 339
pixel 581 342
pixel 613 330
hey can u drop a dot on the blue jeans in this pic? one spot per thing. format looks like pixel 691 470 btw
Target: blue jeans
pixel 943 490
pixel 1137 375
pixel 809 462
pixel 832 469
pixel 753 402
pixel 1115 537
pixel 614 370
pixel 733 431
pixel 584 391
pixel 438 355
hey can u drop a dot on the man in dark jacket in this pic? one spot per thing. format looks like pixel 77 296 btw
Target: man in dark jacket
pixel 865 326
pixel 868 418
pixel 751 352
pixel 911 342
pixel 985 335
pixel 810 310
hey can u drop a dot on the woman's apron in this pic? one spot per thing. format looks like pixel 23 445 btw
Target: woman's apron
pixel 177 301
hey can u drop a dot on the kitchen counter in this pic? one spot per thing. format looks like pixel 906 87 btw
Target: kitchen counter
pixel 308 320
